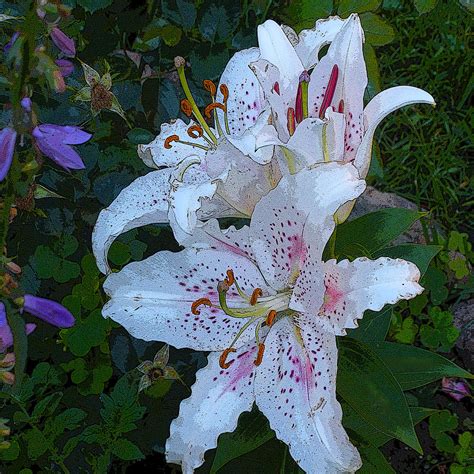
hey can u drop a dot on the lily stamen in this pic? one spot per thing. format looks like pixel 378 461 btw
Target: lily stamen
pixel 301 105
pixel 261 350
pixel 255 295
pixel 230 279
pixel 211 107
pixel 200 302
pixel 270 318
pixel 210 87
pixel 291 124
pixel 175 138
pixel 195 131
pixel 223 357
pixel 186 107
pixel 179 64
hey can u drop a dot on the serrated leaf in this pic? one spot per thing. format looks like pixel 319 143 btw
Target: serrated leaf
pixel 47 404
pixel 414 367
pixel 92 6
pixel 366 384
pixel 302 13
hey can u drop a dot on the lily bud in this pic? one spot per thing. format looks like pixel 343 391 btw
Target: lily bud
pixel 49 311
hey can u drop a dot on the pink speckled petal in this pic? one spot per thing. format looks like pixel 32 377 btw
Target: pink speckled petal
pixel 218 398
pixel 295 388
pixel 295 220
pixel 152 299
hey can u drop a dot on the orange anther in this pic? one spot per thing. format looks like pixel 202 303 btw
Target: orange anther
pixel 169 140
pixel 222 359
pixel 200 302
pixel 195 131
pixel 230 278
pixel 186 107
pixel 261 349
pixel 211 107
pixel 270 318
pixel 224 91
pixel 210 87
pixel 291 124
pixel 255 295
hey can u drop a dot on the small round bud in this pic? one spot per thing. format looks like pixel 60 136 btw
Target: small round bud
pixel 179 61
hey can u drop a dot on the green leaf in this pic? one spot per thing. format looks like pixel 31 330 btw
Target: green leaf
pixel 69 419
pixel 139 136
pixel 406 332
pixel 94 5
pixel 374 462
pixel 346 7
pixel 302 13
pixel 414 367
pixel 252 431
pixel 370 233
pixel 425 6
pixel 49 403
pixel 37 443
pixel 86 334
pixel 435 281
pixel 374 86
pixel 420 255
pixel 48 265
pixel 373 326
pixel 126 450
pixel 20 343
pixel 368 386
pixel 218 22
pixel 11 453
pixel 376 30
pixel 119 253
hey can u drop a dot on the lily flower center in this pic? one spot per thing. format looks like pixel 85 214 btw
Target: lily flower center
pixel 190 109
pixel 256 308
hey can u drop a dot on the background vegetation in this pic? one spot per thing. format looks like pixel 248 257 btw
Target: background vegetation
pixel 77 408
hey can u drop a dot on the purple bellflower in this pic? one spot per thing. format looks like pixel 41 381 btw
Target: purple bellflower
pixel 49 311
pixel 55 142
pixel 63 42
pixel 6 336
pixel 455 388
pixel 66 67
pixel 7 148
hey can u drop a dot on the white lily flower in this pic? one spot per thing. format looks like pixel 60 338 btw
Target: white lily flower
pixel 318 107
pixel 203 171
pixel 263 296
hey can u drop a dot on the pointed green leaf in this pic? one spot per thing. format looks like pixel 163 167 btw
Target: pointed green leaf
pixel 414 367
pixel 370 233
pixel 420 255
pixel 367 385
pixel 373 326
pixel 374 462
pixel 252 431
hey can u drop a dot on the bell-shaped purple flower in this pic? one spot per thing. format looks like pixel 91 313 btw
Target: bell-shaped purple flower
pixel 7 148
pixel 455 388
pixel 8 46
pixel 49 311
pixel 63 42
pixel 65 66
pixel 6 336
pixel 55 142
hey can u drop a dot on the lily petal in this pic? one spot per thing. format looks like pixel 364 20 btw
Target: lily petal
pixel 353 287
pixel 312 40
pixel 344 66
pixel 246 100
pixel 294 221
pixel 155 154
pixel 218 397
pixel 152 299
pixel 295 389
pixel 275 47
pixel 377 109
pixel 145 201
